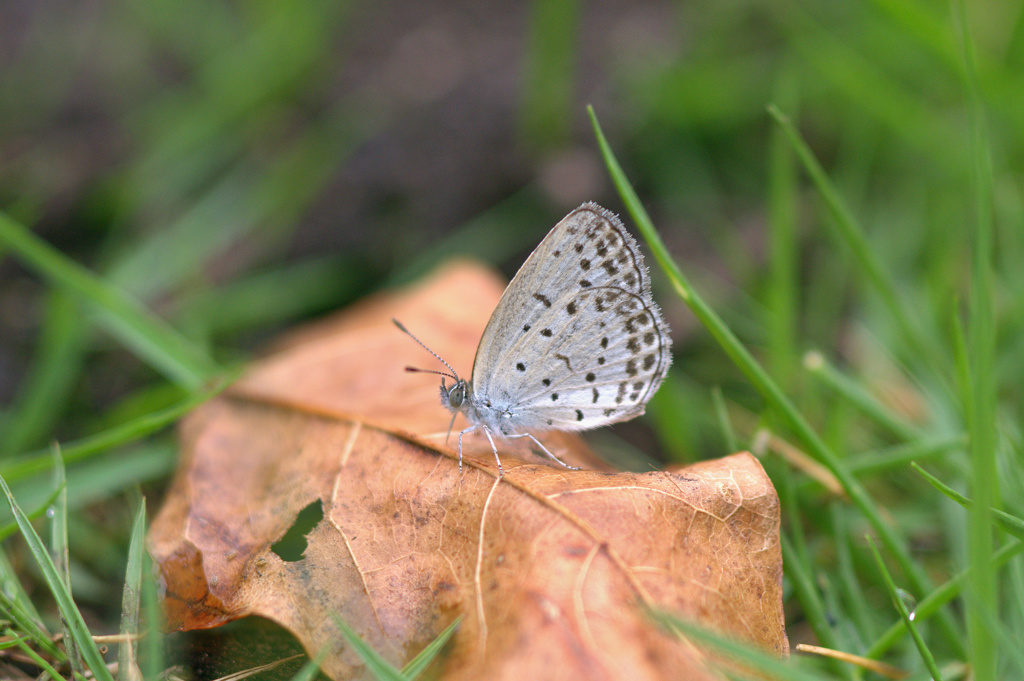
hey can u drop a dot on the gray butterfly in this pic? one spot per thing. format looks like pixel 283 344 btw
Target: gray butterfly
pixel 576 341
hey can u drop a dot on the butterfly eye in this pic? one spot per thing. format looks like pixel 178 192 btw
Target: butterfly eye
pixel 457 395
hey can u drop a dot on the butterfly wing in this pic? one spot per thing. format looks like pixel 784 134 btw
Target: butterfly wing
pixel 606 356
pixel 576 340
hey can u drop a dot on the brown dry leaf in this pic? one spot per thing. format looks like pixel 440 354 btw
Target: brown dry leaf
pixel 550 568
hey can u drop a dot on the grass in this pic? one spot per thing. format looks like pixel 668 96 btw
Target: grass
pixel 831 191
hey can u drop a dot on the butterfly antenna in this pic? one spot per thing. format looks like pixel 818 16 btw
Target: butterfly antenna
pixel 417 370
pixel 423 345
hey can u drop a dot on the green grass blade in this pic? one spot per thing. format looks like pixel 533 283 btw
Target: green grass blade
pixel 855 394
pixel 417 664
pixel 309 671
pixel 149 337
pixel 942 595
pixel 845 574
pixel 980 400
pixel 810 599
pixel 931 604
pixel 736 652
pixel 816 592
pixel 127 659
pixel 152 604
pixel 11 588
pixel 122 434
pixel 768 389
pixel 14 641
pixel 1010 524
pixel 96 480
pixel 41 510
pixel 853 236
pixel 884 459
pixel 59 553
pixel 43 664
pixel 1008 638
pixel 908 621
pixel 68 609
pixel 378 666
pixel 29 625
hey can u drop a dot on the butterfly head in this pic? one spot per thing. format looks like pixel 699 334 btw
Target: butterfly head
pixel 455 397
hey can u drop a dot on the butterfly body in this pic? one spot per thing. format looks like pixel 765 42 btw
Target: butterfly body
pixel 576 341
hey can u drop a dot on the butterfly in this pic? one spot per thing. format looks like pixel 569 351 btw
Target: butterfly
pixel 576 341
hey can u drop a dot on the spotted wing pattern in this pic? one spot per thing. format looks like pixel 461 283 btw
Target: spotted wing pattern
pixel 576 341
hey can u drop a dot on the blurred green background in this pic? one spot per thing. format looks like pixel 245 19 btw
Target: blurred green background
pixel 242 167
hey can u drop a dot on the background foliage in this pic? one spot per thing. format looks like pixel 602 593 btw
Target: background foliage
pixel 226 170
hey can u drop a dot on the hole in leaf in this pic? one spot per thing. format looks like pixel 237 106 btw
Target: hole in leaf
pixel 292 545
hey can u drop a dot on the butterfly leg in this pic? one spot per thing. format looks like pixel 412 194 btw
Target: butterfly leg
pixel 543 449
pixel 467 430
pixel 494 449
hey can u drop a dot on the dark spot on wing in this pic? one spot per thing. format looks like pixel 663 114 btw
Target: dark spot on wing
pixel 631 369
pixel 585 264
pixel 554 397
pixel 585 284
pixel 591 377
pixel 639 320
pixel 571 307
pixel 604 342
pixel 542 298
pixel 546 333
pixel 546 382
pixel 526 327
pixel 624 308
pixel 596 395
pixel 566 360
pixel 520 366
pixel 649 361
